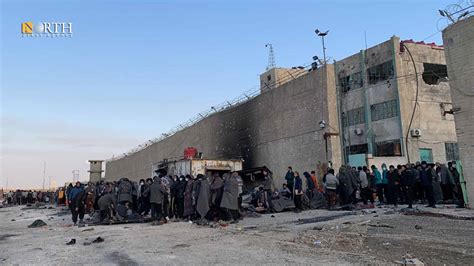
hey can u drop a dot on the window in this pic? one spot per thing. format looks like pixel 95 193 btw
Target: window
pixel 380 72
pixel 433 74
pixel 353 117
pixel 452 151
pixel 384 110
pixel 357 149
pixel 426 154
pixel 350 82
pixel 388 148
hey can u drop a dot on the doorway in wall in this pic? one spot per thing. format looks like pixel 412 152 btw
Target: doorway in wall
pixel 426 155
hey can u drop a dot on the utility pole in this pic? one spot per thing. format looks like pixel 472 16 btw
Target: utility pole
pixel 44 173
pixel 271 56
pixel 322 35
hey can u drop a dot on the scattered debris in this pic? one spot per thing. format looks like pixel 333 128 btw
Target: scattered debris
pixel 386 244
pixel 88 229
pixel 37 223
pixel 4 237
pixel 98 240
pixel 181 246
pixel 381 225
pixel 317 243
pixel 71 242
pixel 413 261
pixel 87 243
pixel 417 212
pixel 323 218
pixel 418 227
pixel 13 220
pixel 318 228
pixel 389 212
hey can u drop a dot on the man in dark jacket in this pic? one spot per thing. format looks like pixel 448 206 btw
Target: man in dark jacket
pixel 156 191
pixel 125 188
pixel 408 179
pixel 426 178
pixel 77 201
pixel 290 179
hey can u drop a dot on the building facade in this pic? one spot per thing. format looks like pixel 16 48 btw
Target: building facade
pixel 387 104
pixel 392 102
pixel 458 40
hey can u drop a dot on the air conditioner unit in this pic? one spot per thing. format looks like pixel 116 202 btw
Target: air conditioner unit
pixel 358 131
pixel 415 132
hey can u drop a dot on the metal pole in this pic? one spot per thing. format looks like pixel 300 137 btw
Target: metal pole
pixel 324 50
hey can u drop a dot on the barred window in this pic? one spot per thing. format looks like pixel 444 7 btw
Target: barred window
pixel 354 117
pixel 388 148
pixel 384 110
pixel 380 72
pixel 452 151
pixel 351 82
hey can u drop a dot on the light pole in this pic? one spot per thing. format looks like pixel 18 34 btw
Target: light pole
pixel 322 34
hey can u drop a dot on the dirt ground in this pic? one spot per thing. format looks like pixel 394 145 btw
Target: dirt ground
pixel 372 236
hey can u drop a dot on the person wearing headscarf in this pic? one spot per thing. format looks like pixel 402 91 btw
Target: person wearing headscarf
pixel 345 185
pixel 310 186
pixel 217 189
pixel 204 196
pixel 298 192
pixel 179 188
pixel 188 211
pixel 230 203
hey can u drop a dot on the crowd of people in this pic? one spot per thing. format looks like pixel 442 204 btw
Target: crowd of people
pixel 23 197
pixel 215 197
pixel 160 198
pixel 404 184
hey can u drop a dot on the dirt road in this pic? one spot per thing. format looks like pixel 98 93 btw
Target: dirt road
pixel 316 237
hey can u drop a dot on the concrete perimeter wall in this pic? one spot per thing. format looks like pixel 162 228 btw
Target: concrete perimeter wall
pixel 459 48
pixel 278 128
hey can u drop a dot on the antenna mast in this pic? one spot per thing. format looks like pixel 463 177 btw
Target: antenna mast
pixel 271 56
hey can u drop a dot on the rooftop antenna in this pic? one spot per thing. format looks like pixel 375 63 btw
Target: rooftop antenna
pixel 271 56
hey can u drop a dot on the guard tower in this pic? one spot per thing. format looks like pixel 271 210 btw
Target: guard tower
pixel 95 172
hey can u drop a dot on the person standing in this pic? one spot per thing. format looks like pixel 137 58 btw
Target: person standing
pixel 378 183
pixel 310 186
pixel 188 211
pixel 77 201
pixel 408 184
pixel 364 184
pixel 180 188
pixel 330 184
pixel 229 203
pixel 290 179
pixel 217 189
pixel 125 191
pixel 447 181
pixel 426 177
pixel 157 192
pixel 267 186
pixel 298 192
pixel 457 189
pixel 393 180
pixel 203 196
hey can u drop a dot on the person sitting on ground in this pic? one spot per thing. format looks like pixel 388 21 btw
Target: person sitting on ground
pixel 284 191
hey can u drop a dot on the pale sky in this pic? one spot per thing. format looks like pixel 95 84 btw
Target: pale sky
pixel 135 69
